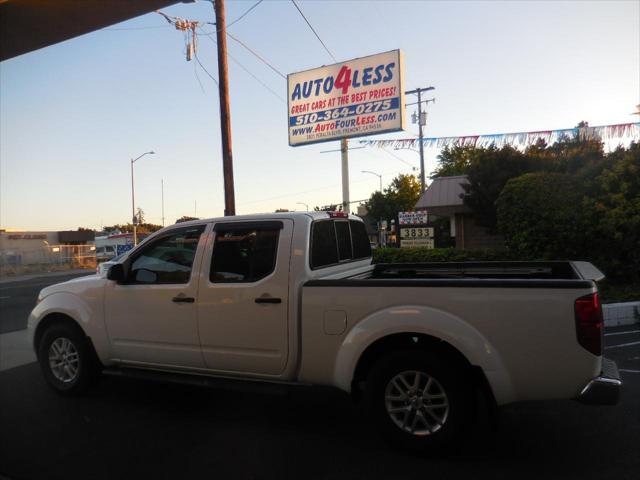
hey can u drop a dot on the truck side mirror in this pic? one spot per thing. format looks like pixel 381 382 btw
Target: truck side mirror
pixel 116 273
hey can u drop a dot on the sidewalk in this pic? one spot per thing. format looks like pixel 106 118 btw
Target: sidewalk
pixel 31 276
pixel 16 349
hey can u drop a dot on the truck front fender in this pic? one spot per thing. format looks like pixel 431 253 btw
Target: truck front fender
pixel 428 321
pixel 87 314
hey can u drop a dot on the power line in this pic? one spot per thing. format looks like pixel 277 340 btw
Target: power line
pixel 326 187
pixel 314 31
pixel 206 71
pixel 235 60
pixel 195 71
pixel 245 13
pixel 398 157
pixel 257 79
pixel 257 56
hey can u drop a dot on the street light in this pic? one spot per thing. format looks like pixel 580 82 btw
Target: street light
pixel 377 175
pixel 133 199
pixel 305 205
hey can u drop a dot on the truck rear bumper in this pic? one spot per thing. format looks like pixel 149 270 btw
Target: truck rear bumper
pixel 605 388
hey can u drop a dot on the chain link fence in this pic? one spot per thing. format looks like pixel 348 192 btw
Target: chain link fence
pixel 47 259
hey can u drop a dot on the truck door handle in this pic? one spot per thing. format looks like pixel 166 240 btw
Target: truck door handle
pixel 268 300
pixel 183 299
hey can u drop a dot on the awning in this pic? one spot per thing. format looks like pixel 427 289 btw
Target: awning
pixel 28 25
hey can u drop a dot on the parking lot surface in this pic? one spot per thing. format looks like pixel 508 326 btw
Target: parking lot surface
pixel 138 429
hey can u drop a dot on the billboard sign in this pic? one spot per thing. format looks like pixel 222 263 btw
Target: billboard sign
pixel 412 218
pixel 363 96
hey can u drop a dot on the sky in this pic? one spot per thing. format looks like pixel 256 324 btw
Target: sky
pixel 72 115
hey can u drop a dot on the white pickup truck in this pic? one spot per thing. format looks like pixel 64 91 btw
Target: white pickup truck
pixel 294 298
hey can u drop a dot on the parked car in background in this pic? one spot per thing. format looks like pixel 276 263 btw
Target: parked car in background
pixel 103 267
pixel 105 252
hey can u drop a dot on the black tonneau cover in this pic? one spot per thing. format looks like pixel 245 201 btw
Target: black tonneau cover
pixel 465 274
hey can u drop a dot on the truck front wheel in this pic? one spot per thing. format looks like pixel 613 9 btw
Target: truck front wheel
pixel 66 359
pixel 419 401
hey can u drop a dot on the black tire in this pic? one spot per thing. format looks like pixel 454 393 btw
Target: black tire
pixel 450 377
pixel 87 368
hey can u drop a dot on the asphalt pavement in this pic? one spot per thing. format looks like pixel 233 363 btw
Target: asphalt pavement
pixel 18 297
pixel 138 429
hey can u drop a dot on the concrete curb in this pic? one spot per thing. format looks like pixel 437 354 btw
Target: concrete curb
pixel 616 314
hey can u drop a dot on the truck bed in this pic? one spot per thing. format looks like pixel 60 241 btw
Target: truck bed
pixel 468 274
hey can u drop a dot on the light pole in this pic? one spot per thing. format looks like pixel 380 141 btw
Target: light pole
pixel 377 175
pixel 305 205
pixel 133 199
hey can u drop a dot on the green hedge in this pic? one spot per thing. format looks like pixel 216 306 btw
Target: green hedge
pixel 415 255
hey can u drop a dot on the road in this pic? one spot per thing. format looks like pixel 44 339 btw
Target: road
pixel 17 299
pixel 135 429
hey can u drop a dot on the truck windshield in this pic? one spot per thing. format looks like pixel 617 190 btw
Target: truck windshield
pixel 337 241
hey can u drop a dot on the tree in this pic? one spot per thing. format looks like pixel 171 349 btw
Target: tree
pixel 401 196
pixel 186 218
pixel 140 215
pixel 128 228
pixel 614 205
pixel 541 216
pixel 488 171
pixel 453 161
pixel 334 207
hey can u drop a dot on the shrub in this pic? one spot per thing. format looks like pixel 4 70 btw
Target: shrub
pixel 541 215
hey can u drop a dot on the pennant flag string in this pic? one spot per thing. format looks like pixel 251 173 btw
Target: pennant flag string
pixel 605 133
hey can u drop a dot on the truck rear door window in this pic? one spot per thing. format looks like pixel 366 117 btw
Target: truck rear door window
pixel 324 250
pixel 343 235
pixel 338 241
pixel 244 254
pixel 360 240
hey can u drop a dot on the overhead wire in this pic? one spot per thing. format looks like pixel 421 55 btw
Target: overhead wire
pixel 235 60
pixel 195 71
pixel 205 70
pixel 258 56
pixel 245 13
pixel 314 31
pixel 397 157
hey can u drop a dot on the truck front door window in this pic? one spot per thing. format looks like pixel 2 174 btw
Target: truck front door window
pixel 244 255
pixel 167 260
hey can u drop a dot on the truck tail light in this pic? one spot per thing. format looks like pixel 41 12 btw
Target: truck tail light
pixel 589 323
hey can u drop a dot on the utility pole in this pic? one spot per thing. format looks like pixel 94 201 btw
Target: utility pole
pixel 418 91
pixel 162 190
pixel 225 112
pixel 344 154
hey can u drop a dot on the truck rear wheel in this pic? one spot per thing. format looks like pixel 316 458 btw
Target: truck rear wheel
pixel 66 359
pixel 419 401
